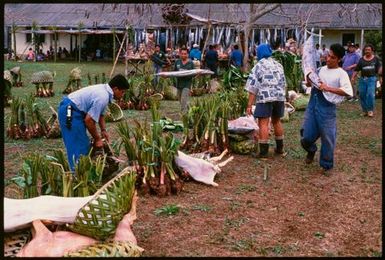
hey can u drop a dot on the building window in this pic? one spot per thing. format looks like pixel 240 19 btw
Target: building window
pixel 347 37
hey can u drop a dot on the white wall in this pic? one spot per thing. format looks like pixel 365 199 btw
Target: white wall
pixel 335 36
pixel 63 41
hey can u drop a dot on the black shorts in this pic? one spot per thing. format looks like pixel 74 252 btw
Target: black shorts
pixel 274 109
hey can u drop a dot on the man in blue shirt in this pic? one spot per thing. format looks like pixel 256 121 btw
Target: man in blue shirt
pixel 211 59
pixel 195 53
pixel 349 63
pixel 82 110
pixel 236 57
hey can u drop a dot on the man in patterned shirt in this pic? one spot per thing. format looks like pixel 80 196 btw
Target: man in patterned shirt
pixel 266 86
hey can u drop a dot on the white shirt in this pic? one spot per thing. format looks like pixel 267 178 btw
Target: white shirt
pixel 336 78
pixel 318 54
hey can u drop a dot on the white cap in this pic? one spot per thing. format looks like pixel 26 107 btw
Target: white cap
pixel 195 45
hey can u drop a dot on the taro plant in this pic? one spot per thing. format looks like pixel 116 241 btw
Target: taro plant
pixel 151 152
pixel 292 69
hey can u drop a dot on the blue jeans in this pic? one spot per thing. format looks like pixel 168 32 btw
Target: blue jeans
pixel 75 139
pixel 367 91
pixel 320 121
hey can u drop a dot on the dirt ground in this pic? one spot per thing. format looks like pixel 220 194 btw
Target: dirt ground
pixel 296 211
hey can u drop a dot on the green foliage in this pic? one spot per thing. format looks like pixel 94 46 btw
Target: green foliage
pixel 234 78
pixel 168 210
pixel 50 175
pixel 374 37
pixel 292 69
pixel 150 151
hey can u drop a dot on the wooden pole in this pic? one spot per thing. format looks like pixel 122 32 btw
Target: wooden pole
pixel 362 40
pixel 208 32
pixel 80 45
pixel 117 57
pixel 14 38
pixel 126 56
pixel 113 44
pixel 55 43
pixel 207 39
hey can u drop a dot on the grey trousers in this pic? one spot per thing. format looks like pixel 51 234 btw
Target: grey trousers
pixel 183 95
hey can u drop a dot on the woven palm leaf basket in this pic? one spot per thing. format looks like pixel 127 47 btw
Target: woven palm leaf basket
pixel 110 249
pixel 100 217
pixel 113 113
pixel 15 241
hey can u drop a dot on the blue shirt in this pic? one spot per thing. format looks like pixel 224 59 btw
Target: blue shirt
pixel 195 53
pixel 211 57
pixel 93 100
pixel 349 59
pixel 237 58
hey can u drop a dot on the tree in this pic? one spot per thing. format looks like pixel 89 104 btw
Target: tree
pixel 256 11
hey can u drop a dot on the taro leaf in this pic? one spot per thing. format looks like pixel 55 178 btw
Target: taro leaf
pixel 19 181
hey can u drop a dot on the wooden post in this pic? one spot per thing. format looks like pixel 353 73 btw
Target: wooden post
pixel 126 55
pixel 55 43
pixel 117 57
pixel 113 44
pixel 80 45
pixel 362 39
pixel 14 28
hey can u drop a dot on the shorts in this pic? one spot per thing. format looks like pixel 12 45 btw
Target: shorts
pixel 274 109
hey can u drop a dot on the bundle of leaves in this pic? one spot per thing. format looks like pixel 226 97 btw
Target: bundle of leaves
pixel 238 99
pixel 200 86
pixel 205 125
pixel 50 175
pixel 75 81
pixel 292 68
pixel 141 91
pixel 43 81
pixel 151 152
pixel 26 120
pixel 233 78
pixel 97 79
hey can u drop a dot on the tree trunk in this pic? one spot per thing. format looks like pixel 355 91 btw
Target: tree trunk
pixel 246 50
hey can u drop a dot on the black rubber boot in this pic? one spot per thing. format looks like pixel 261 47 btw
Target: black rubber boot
pixel 263 150
pixel 309 157
pixel 279 148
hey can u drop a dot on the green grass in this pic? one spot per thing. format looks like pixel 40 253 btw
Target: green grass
pixel 167 210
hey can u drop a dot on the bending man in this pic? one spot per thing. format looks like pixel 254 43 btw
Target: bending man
pixel 82 110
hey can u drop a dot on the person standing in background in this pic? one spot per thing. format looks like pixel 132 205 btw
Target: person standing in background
pixel 349 63
pixel 211 60
pixel 369 65
pixel 325 52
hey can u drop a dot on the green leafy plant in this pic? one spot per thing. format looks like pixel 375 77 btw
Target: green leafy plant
pixel 292 68
pixel 167 210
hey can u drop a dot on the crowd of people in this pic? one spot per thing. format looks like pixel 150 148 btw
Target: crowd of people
pixel 32 55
